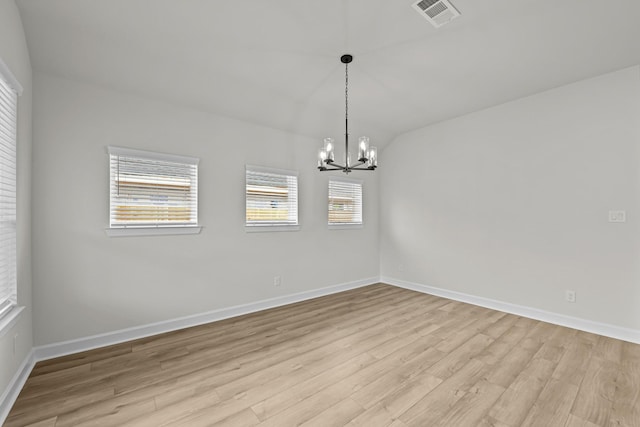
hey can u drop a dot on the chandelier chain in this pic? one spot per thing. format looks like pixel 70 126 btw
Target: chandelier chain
pixel 346 91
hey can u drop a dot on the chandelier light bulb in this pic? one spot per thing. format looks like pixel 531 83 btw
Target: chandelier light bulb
pixel 373 157
pixel 328 148
pixel 363 149
pixel 322 156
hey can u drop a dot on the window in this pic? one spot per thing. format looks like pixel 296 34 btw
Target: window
pixel 345 203
pixel 152 191
pixel 271 199
pixel 9 91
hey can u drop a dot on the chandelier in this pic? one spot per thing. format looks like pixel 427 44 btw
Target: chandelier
pixel 367 156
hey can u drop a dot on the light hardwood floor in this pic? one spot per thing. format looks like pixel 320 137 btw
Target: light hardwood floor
pixel 374 356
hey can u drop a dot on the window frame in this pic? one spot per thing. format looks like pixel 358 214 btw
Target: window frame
pixel 345 225
pixel 273 225
pixel 12 90
pixel 154 228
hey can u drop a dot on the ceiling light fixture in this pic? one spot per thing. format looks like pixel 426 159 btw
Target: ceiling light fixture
pixel 367 156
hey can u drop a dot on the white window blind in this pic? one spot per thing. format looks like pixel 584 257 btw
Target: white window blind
pixel 8 140
pixel 152 189
pixel 345 202
pixel 271 197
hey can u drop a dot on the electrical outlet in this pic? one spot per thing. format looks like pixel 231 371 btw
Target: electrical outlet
pixel 15 344
pixel 570 296
pixel 400 267
pixel 277 281
pixel 617 216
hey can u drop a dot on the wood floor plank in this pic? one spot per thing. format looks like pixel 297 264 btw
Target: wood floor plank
pixel 108 411
pixel 50 422
pixel 394 377
pixel 507 369
pixel 310 407
pixel 553 406
pixel 573 364
pixel 466 331
pixel 500 326
pixel 609 349
pixel 373 356
pixel 491 422
pixel 244 418
pixel 473 406
pixel 574 421
pixel 516 402
pixel 554 403
pixel 456 359
pixel 387 410
pixel 502 344
pixel 597 391
pixel 176 412
pixel 626 402
pixel 336 416
pixel 82 358
pixel 434 406
pixel 30 410
pixel 57 376
pixel 554 347
pixel 113 418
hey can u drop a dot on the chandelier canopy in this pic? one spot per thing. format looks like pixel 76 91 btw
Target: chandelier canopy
pixel 367 156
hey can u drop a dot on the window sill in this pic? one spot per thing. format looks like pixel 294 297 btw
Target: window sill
pixel 345 226
pixel 269 228
pixel 10 319
pixel 151 231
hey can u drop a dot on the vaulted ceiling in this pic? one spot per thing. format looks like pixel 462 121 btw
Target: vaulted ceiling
pixel 276 62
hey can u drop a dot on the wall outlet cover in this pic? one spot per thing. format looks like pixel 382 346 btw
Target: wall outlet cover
pixel 617 216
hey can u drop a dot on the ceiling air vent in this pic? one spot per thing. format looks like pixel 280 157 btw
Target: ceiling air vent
pixel 438 12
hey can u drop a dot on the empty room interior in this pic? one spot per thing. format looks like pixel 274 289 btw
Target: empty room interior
pixel 348 212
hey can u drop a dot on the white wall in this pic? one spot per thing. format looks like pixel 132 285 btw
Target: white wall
pixel 86 283
pixel 511 203
pixel 13 51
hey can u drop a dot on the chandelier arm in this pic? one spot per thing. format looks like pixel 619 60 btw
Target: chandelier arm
pixel 336 165
pixel 369 168
pixel 332 169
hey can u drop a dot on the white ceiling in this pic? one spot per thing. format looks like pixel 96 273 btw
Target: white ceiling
pixel 276 62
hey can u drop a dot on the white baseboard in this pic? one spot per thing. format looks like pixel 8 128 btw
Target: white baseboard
pixel 51 351
pixel 15 386
pixel 625 334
